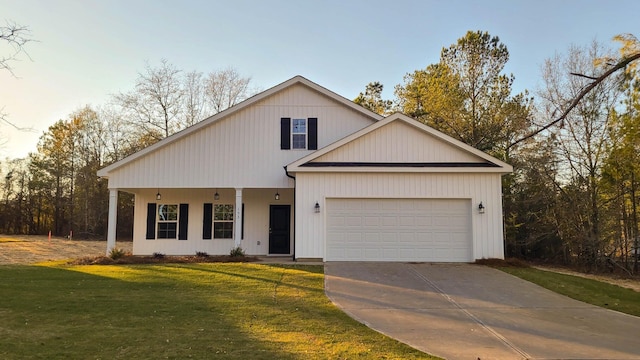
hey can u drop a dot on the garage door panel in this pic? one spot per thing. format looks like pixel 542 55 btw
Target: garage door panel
pixel 355 238
pixel 419 205
pixel 352 206
pixel 406 221
pixel 353 221
pixel 385 205
pixel 407 254
pixel 399 230
pixel 448 220
pixel 441 239
pixel 388 221
pixel 457 238
pixel 370 220
pixel 367 239
pixel 424 220
pixel 407 238
pixel 371 253
pixel 350 253
pixel 333 221
pixel 386 239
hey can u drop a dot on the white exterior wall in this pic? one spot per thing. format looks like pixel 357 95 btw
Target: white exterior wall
pixel 243 149
pixel 256 221
pixel 486 228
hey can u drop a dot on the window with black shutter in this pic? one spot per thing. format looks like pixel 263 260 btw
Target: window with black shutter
pixel 218 221
pixel 168 221
pixel 300 134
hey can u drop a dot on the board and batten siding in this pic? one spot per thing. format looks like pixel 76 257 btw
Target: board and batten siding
pixel 486 228
pixel 394 141
pixel 242 149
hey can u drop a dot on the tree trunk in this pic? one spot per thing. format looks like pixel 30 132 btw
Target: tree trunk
pixel 634 216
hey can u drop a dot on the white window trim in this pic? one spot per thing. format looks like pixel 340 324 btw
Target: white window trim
pixel 214 221
pixel 159 221
pixel 305 133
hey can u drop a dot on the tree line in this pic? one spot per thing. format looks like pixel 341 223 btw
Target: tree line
pixel 56 188
pixel 573 196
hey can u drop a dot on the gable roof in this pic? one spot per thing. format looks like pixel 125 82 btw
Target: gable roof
pixel 104 172
pixel 465 158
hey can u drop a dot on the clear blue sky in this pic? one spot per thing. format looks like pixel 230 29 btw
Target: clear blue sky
pixel 89 49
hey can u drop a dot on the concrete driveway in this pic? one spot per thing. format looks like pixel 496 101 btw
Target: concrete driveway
pixel 462 311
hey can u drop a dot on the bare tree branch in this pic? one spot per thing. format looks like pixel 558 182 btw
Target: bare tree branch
pixel 4 119
pixel 620 65
pixel 584 76
pixel 25 129
pixel 225 88
pixel 15 37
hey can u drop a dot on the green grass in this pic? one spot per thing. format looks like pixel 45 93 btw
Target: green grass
pixel 197 311
pixel 586 290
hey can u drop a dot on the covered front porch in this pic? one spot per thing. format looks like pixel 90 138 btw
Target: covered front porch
pixel 185 221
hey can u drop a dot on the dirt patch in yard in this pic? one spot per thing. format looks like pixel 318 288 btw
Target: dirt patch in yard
pixel 30 249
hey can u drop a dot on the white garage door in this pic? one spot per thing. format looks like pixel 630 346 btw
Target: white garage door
pixel 437 230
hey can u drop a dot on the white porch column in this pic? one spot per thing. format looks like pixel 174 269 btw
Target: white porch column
pixel 113 216
pixel 237 225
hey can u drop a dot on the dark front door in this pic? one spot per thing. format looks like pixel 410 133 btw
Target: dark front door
pixel 279 229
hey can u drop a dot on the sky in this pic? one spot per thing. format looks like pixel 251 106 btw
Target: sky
pixel 85 51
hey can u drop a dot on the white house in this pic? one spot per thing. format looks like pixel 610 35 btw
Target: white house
pixel 298 170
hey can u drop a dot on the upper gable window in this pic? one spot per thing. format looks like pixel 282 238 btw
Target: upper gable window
pixel 299 134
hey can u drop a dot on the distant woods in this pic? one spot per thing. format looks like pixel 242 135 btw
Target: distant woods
pixel 575 192
pixel 56 188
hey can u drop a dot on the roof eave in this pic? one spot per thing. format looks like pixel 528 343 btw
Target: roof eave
pixel 381 169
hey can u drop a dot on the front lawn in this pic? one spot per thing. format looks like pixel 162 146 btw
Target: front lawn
pixel 586 290
pixel 179 311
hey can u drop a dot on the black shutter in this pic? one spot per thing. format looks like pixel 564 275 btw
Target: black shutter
pixel 151 221
pixel 285 133
pixel 207 221
pixel 313 134
pixel 242 226
pixel 183 222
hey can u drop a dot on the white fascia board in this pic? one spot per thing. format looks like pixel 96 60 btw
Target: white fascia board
pixel 382 169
